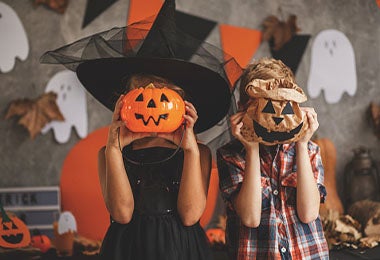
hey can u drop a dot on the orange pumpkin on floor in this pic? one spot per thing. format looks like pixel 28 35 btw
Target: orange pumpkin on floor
pixel 13 232
pixel 42 242
pixel 152 109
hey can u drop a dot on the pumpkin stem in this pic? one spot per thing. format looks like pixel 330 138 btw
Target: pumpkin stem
pixel 4 215
pixel 150 85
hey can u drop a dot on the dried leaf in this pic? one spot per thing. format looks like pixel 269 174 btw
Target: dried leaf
pixel 35 114
pixel 279 32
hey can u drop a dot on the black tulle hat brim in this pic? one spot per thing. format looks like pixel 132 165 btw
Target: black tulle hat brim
pixel 209 92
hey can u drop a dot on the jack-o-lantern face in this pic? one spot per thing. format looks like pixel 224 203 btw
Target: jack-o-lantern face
pixel 152 109
pixel 13 232
pixel 274 115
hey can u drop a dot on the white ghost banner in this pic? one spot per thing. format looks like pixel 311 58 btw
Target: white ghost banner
pixel 71 100
pixel 332 68
pixel 13 39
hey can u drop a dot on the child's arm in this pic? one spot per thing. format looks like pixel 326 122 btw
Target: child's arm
pixel 247 202
pixel 308 196
pixel 116 189
pixel 195 173
pixel 194 184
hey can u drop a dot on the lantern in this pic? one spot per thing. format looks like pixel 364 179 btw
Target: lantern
pixel 152 109
pixel 274 116
pixel 361 178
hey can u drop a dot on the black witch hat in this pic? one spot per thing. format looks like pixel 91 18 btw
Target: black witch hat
pixel 104 61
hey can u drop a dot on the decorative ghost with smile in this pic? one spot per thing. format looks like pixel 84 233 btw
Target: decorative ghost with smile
pixel 274 115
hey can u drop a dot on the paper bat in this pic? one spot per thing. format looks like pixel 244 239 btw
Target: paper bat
pixel 279 32
pixel 35 114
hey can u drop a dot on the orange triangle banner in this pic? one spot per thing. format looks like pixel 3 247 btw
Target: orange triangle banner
pixel 239 42
pixel 141 9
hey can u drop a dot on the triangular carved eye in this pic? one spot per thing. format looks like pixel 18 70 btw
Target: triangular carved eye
pixel 164 98
pixel 269 108
pixel 140 98
pixel 288 110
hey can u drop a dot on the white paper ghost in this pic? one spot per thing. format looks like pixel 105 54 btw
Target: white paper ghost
pixel 332 68
pixel 71 100
pixel 66 223
pixel 13 39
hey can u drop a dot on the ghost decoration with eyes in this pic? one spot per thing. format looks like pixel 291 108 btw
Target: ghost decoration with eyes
pixel 274 116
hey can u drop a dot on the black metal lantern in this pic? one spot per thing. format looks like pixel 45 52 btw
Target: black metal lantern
pixel 361 178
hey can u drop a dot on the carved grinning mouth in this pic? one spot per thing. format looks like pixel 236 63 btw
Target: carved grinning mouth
pixel 156 122
pixel 13 239
pixel 271 136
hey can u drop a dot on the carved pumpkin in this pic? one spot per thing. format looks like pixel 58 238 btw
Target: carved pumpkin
pixel 42 242
pixel 152 109
pixel 273 115
pixel 13 232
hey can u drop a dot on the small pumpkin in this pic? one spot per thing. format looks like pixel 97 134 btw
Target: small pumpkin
pixel 274 115
pixel 13 232
pixel 152 109
pixel 216 235
pixel 41 241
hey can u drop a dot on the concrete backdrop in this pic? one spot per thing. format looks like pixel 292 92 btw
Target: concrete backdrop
pixel 38 162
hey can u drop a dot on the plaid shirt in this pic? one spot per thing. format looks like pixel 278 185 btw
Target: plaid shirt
pixel 280 235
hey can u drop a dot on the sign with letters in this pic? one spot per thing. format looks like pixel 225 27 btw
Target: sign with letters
pixel 38 207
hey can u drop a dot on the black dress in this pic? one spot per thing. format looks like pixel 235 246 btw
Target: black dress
pixel 155 231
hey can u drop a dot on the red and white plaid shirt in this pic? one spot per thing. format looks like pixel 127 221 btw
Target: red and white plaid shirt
pixel 280 235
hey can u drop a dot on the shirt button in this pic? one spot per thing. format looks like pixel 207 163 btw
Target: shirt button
pixel 283 249
pixel 275 192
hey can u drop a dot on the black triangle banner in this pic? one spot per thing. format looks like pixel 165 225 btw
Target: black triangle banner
pixel 195 26
pixel 94 8
pixel 291 53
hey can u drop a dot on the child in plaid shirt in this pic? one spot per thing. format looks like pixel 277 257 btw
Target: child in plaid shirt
pixel 272 193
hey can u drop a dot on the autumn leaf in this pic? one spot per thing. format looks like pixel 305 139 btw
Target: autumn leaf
pixel 35 114
pixel 279 32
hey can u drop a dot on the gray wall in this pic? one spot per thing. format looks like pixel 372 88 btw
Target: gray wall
pixel 38 162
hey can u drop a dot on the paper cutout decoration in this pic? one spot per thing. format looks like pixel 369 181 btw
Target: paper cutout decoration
pixel 71 102
pixel 241 43
pixel 195 26
pixel 332 67
pixel 279 32
pixel 35 114
pixel 141 9
pixel 13 231
pixel 66 223
pixel 291 53
pixel 13 39
pixel 94 8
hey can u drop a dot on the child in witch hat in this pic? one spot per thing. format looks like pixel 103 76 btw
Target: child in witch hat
pixel 154 185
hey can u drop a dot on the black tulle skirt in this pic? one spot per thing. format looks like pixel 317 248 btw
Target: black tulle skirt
pixel 157 237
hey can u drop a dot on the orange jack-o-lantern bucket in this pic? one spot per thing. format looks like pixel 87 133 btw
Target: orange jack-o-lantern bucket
pixel 152 109
pixel 274 115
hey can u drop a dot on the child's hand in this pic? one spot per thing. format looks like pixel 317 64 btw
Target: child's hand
pixel 312 123
pixel 236 125
pixel 126 136
pixel 189 140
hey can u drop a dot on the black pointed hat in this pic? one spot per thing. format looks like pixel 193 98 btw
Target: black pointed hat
pixel 105 60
